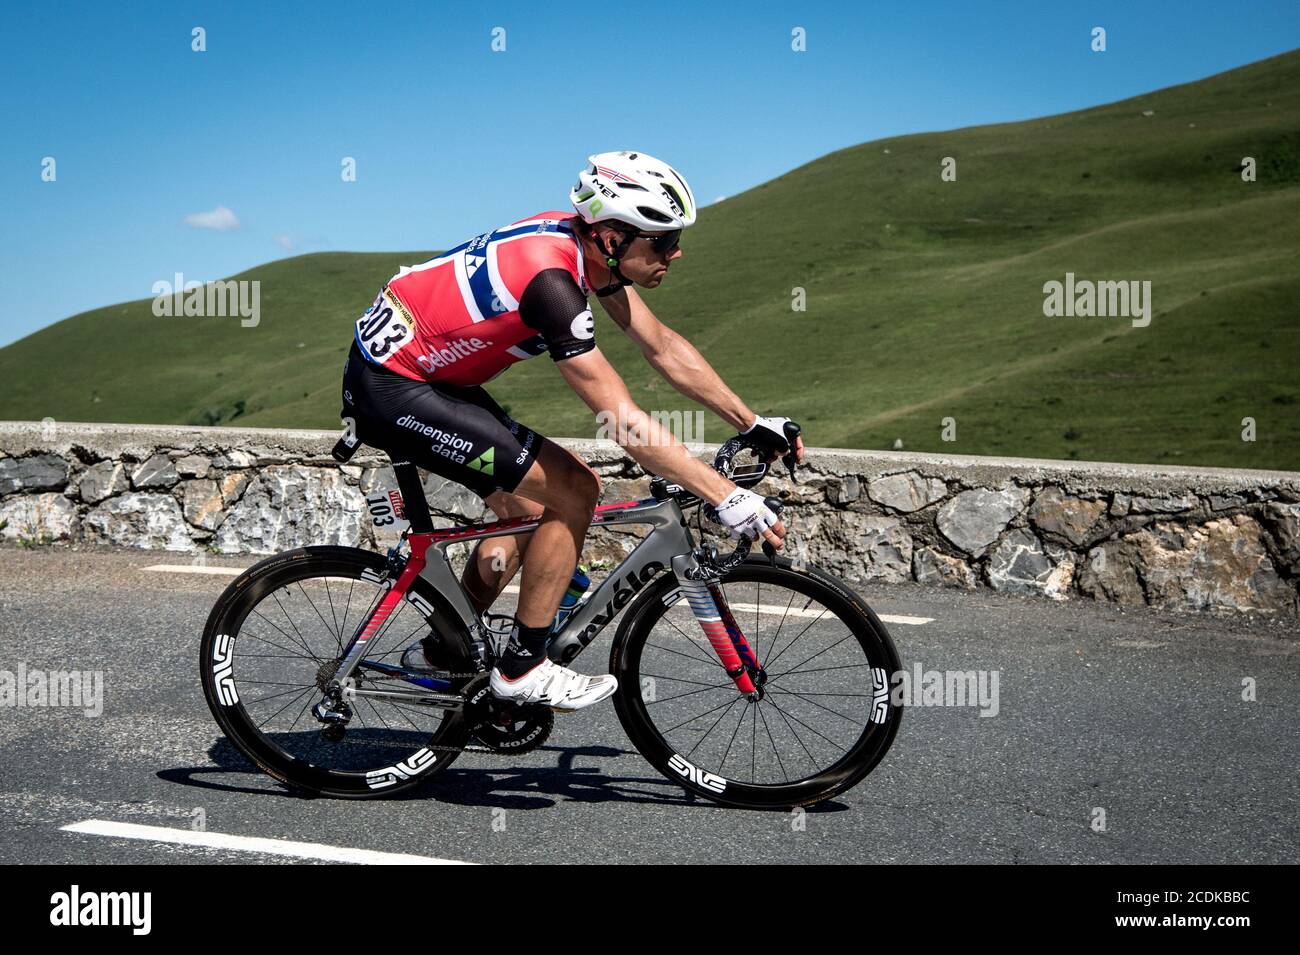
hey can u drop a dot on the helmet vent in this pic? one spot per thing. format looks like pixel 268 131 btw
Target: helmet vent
pixel 654 215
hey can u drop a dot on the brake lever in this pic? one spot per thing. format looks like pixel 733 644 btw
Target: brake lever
pixel 774 505
pixel 792 431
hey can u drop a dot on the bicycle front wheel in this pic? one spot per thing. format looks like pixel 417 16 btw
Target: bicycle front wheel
pixel 824 718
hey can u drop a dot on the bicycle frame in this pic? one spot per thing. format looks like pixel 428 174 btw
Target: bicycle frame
pixel 668 546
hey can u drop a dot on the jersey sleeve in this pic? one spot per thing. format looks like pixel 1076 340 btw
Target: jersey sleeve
pixel 556 309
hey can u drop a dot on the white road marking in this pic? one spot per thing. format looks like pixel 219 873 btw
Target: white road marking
pixel 275 847
pixel 195 569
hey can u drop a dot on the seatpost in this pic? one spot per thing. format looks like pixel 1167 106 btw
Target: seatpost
pixel 413 499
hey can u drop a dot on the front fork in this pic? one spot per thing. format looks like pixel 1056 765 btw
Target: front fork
pixel 709 605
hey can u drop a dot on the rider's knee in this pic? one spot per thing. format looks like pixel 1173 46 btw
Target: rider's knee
pixel 583 486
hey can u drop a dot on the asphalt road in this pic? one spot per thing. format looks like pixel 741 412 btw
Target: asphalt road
pixel 1138 714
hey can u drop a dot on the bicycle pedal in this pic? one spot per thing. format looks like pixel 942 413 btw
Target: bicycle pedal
pixel 499 624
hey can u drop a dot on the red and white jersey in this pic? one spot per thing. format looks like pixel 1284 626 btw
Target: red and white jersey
pixel 455 319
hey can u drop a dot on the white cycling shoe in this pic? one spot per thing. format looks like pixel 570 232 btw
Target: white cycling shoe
pixel 553 685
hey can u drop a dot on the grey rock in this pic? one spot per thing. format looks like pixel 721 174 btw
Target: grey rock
pixel 193 466
pixel 233 484
pixel 38 517
pixel 292 506
pixel 1021 565
pixel 1109 574
pixel 157 472
pixel 101 481
pixel 886 546
pixel 147 521
pixel 39 472
pixel 973 519
pixel 1070 518
pixel 906 492
pixel 1219 564
pixel 202 503
pixel 1226 502
pixel 844 491
pixel 1284 521
pixel 234 458
pixel 930 566
pixel 1119 505
pixel 1170 504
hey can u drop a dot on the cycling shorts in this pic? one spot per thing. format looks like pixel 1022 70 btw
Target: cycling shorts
pixel 458 433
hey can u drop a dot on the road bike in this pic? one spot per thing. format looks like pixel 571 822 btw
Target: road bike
pixel 754 681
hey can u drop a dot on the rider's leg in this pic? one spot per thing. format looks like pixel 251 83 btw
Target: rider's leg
pixel 495 561
pixel 568 491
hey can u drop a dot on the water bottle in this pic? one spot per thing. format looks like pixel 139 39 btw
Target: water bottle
pixel 577 587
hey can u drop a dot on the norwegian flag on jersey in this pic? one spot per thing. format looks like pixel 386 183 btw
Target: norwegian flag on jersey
pixel 455 318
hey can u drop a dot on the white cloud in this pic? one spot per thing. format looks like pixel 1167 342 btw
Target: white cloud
pixel 719 199
pixel 221 219
pixel 286 242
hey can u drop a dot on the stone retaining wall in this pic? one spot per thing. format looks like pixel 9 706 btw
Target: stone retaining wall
pixel 1180 538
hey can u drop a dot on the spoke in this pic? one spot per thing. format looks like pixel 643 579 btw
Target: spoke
pixel 855 722
pixel 786 613
pixel 338 632
pixel 846 666
pixel 669 699
pixel 734 733
pixel 302 590
pixel 346 607
pixel 304 709
pixel 275 595
pixel 798 635
pixel 271 643
pixel 785 776
pixel 708 655
pixel 795 733
pixel 677 679
pixel 690 656
pixel 274 696
pixel 701 716
pixel 709 731
pixel 811 729
pixel 814 656
pixel 281 631
pixel 285 707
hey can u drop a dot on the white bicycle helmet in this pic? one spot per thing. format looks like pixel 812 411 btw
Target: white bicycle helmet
pixel 635 188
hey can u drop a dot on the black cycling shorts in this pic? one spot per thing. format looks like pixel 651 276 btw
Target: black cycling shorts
pixel 458 433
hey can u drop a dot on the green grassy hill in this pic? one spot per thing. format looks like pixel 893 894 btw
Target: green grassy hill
pixel 924 299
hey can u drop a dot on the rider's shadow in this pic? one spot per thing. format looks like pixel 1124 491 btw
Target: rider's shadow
pixel 540 787
pixel 485 783
pixel 480 784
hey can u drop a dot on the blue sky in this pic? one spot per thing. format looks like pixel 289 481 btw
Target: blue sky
pixel 451 138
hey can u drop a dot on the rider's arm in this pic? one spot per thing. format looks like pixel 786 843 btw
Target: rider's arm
pixel 651 445
pixel 680 362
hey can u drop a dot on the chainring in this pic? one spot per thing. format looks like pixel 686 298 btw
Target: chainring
pixel 502 726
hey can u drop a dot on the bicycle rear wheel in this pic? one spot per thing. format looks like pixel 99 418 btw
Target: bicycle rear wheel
pixel 267 654
pixel 825 718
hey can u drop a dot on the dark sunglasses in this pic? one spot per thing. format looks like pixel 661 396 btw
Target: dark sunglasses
pixel 663 244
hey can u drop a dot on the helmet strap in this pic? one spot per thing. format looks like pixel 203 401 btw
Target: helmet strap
pixel 612 259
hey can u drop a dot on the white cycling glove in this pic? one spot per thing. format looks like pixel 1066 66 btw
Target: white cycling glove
pixel 744 514
pixel 768 434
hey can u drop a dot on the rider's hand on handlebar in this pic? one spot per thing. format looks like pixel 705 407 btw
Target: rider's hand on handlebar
pixel 745 514
pixel 769 437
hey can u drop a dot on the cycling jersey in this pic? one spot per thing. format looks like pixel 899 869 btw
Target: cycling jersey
pixel 467 315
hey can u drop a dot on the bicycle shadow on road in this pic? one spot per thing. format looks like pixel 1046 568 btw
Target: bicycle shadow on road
pixel 487 784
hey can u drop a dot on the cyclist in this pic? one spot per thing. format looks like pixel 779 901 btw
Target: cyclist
pixel 438 330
